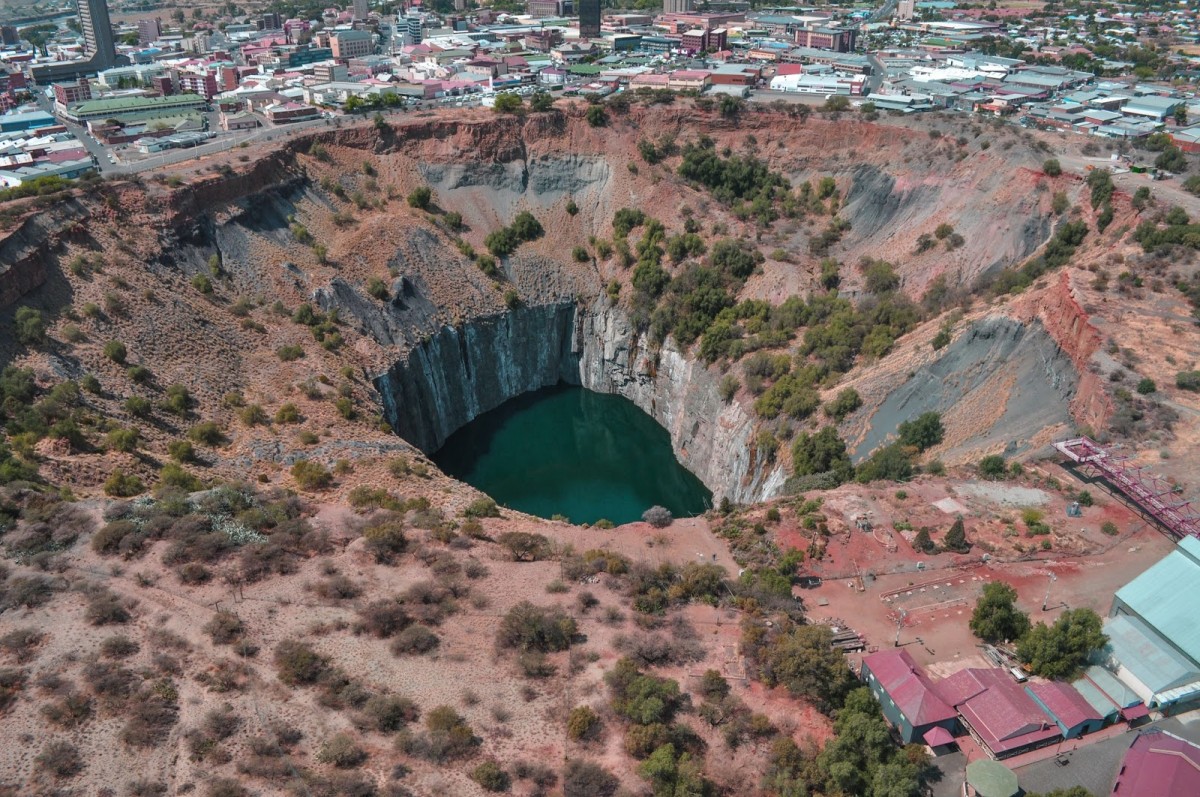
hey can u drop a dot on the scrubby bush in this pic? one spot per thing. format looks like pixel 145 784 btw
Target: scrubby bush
pixel 583 723
pixel 1051 167
pixel 525 546
pixel 482 507
pixel 491 777
pixel 389 713
pixel 383 618
pixel 311 475
pixel 224 627
pixel 527 627
pixel 298 664
pixel 586 779
pixel 30 326
pixel 115 350
pixel 105 608
pixel 342 752
pixel 207 433
pixel 420 197
pixel 657 516
pixel 120 484
pixel 384 537
pixel 992 466
pixel 60 759
pixel 414 640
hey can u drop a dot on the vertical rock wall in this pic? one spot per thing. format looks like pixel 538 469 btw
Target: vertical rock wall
pixel 461 373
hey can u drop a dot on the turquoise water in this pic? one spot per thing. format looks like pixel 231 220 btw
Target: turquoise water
pixel 568 451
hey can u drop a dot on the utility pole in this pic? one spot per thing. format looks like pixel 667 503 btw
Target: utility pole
pixel 1046 600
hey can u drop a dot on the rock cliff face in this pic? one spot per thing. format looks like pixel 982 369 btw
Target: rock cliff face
pixel 27 250
pixel 460 373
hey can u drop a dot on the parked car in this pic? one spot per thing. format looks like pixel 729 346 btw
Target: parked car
pixel 808 582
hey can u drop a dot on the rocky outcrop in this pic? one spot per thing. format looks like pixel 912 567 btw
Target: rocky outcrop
pixel 26 251
pixel 459 373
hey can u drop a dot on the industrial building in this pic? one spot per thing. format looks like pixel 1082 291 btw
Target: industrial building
pixel 1154 639
pixel 908 698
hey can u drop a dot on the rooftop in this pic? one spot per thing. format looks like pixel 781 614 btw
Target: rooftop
pixel 1064 702
pixel 913 693
pixel 1167 596
pixel 1159 764
pixel 1003 715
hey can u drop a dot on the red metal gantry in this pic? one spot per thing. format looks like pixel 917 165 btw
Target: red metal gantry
pixel 1147 490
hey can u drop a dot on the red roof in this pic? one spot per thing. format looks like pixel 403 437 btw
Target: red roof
pixel 1004 716
pixel 1158 764
pixel 789 69
pixel 907 685
pixel 1064 703
pixel 937 736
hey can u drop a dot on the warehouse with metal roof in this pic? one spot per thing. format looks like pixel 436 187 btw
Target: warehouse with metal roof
pixel 1154 639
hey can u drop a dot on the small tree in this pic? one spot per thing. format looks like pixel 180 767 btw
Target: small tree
pixel 658 516
pixel 996 617
pixel 956 538
pixel 1058 651
pixel 923 433
pixel 311 475
pixel 1051 167
pixel 535 628
pixel 420 198
pixel 491 777
pixel 30 326
pixel 596 116
pixel 923 543
pixel 992 466
pixel 583 723
pixel 507 102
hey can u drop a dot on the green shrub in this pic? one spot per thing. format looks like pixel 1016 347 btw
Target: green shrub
pixel 122 485
pixel 202 283
pixel 341 751
pixel 311 475
pixel 298 664
pixel 491 777
pixel 30 326
pixel 527 627
pixel 583 723
pixel 288 413
pixel 420 198
pixel 992 466
pixel 115 350
pixel 207 433
pixel 377 288
pixel 482 507
pixel 1051 167
pixel 290 352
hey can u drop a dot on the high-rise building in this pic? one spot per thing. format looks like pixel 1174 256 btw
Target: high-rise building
pixel 677 6
pixel 98 33
pixel 413 33
pixel 149 30
pixel 360 9
pixel 589 19
pixel 906 10
pixel 349 44
pixel 8 35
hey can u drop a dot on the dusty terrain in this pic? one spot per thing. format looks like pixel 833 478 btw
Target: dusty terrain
pixel 202 277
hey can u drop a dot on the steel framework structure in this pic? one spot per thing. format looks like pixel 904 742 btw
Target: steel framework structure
pixel 1146 490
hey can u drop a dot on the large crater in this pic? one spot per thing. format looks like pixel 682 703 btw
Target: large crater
pixel 459 373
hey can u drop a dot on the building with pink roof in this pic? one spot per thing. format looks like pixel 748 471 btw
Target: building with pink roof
pixel 908 698
pixel 998 712
pixel 1159 764
pixel 1073 715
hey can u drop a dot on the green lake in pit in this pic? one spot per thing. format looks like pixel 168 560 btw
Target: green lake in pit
pixel 568 451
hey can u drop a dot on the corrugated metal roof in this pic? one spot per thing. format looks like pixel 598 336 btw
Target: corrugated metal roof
pixel 1096 699
pixel 1141 652
pixel 1065 704
pixel 1167 597
pixel 1159 764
